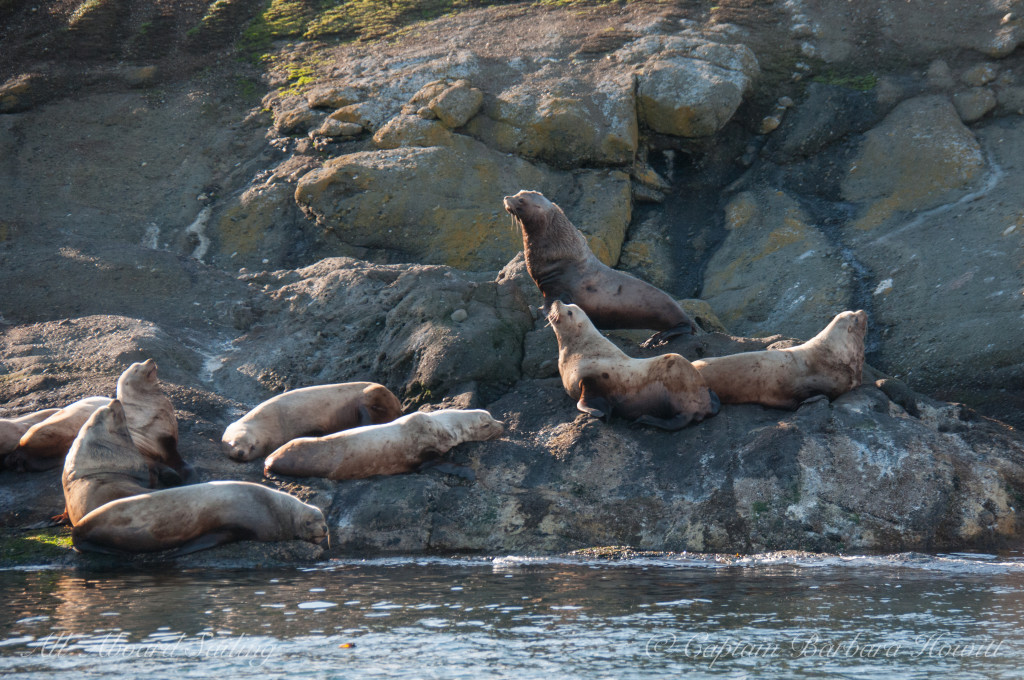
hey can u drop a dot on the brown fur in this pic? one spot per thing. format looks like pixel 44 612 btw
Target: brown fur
pixel 564 268
pixel 45 444
pixel 389 449
pixel 196 517
pixel 830 363
pixel 103 464
pixel 150 416
pixel 319 410
pixel 665 391
pixel 13 429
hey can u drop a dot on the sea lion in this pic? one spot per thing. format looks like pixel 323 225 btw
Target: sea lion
pixel 103 464
pixel 13 429
pixel 319 410
pixel 564 268
pixel 196 517
pixel 150 416
pixel 830 363
pixel 387 449
pixel 665 391
pixel 44 445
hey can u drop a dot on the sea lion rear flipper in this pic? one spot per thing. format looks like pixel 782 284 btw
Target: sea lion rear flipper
pixel 62 518
pixel 593 403
pixel 662 337
pixel 211 539
pixel 680 421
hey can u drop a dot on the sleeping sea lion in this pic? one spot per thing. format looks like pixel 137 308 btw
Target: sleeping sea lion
pixel 564 268
pixel 319 410
pixel 388 449
pixel 13 429
pixel 44 445
pixel 196 517
pixel 830 364
pixel 665 391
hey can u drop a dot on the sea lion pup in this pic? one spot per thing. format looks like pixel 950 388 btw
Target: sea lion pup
pixel 13 429
pixel 196 517
pixel 665 391
pixel 319 410
pixel 150 416
pixel 564 268
pixel 830 363
pixel 44 445
pixel 388 449
pixel 103 464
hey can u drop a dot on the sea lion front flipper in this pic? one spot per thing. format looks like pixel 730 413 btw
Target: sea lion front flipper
pixel 593 403
pixel 680 421
pixel 364 416
pixel 62 518
pixel 162 476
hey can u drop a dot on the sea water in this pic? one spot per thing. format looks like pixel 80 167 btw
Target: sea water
pixel 769 616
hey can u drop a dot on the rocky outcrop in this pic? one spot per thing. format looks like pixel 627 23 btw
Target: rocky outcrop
pixel 775 269
pixel 782 162
pixel 454 216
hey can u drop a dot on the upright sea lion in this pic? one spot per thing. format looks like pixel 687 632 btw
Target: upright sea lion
pixel 665 391
pixel 46 443
pixel 564 268
pixel 103 464
pixel 319 410
pixel 197 517
pixel 150 416
pixel 387 449
pixel 830 363
pixel 13 429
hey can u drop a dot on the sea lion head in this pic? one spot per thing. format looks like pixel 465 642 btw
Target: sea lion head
pixel 140 375
pixel 569 321
pixel 309 523
pixel 530 210
pixel 482 425
pixel 855 322
pixel 239 443
pixel 105 445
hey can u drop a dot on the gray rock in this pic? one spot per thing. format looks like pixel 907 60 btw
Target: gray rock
pixel 974 104
pixel 775 271
pixel 455 105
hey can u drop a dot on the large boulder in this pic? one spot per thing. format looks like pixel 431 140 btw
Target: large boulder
pixel 688 86
pixel 921 156
pixel 567 122
pixel 422 330
pixel 775 271
pixel 855 475
pixel 442 204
